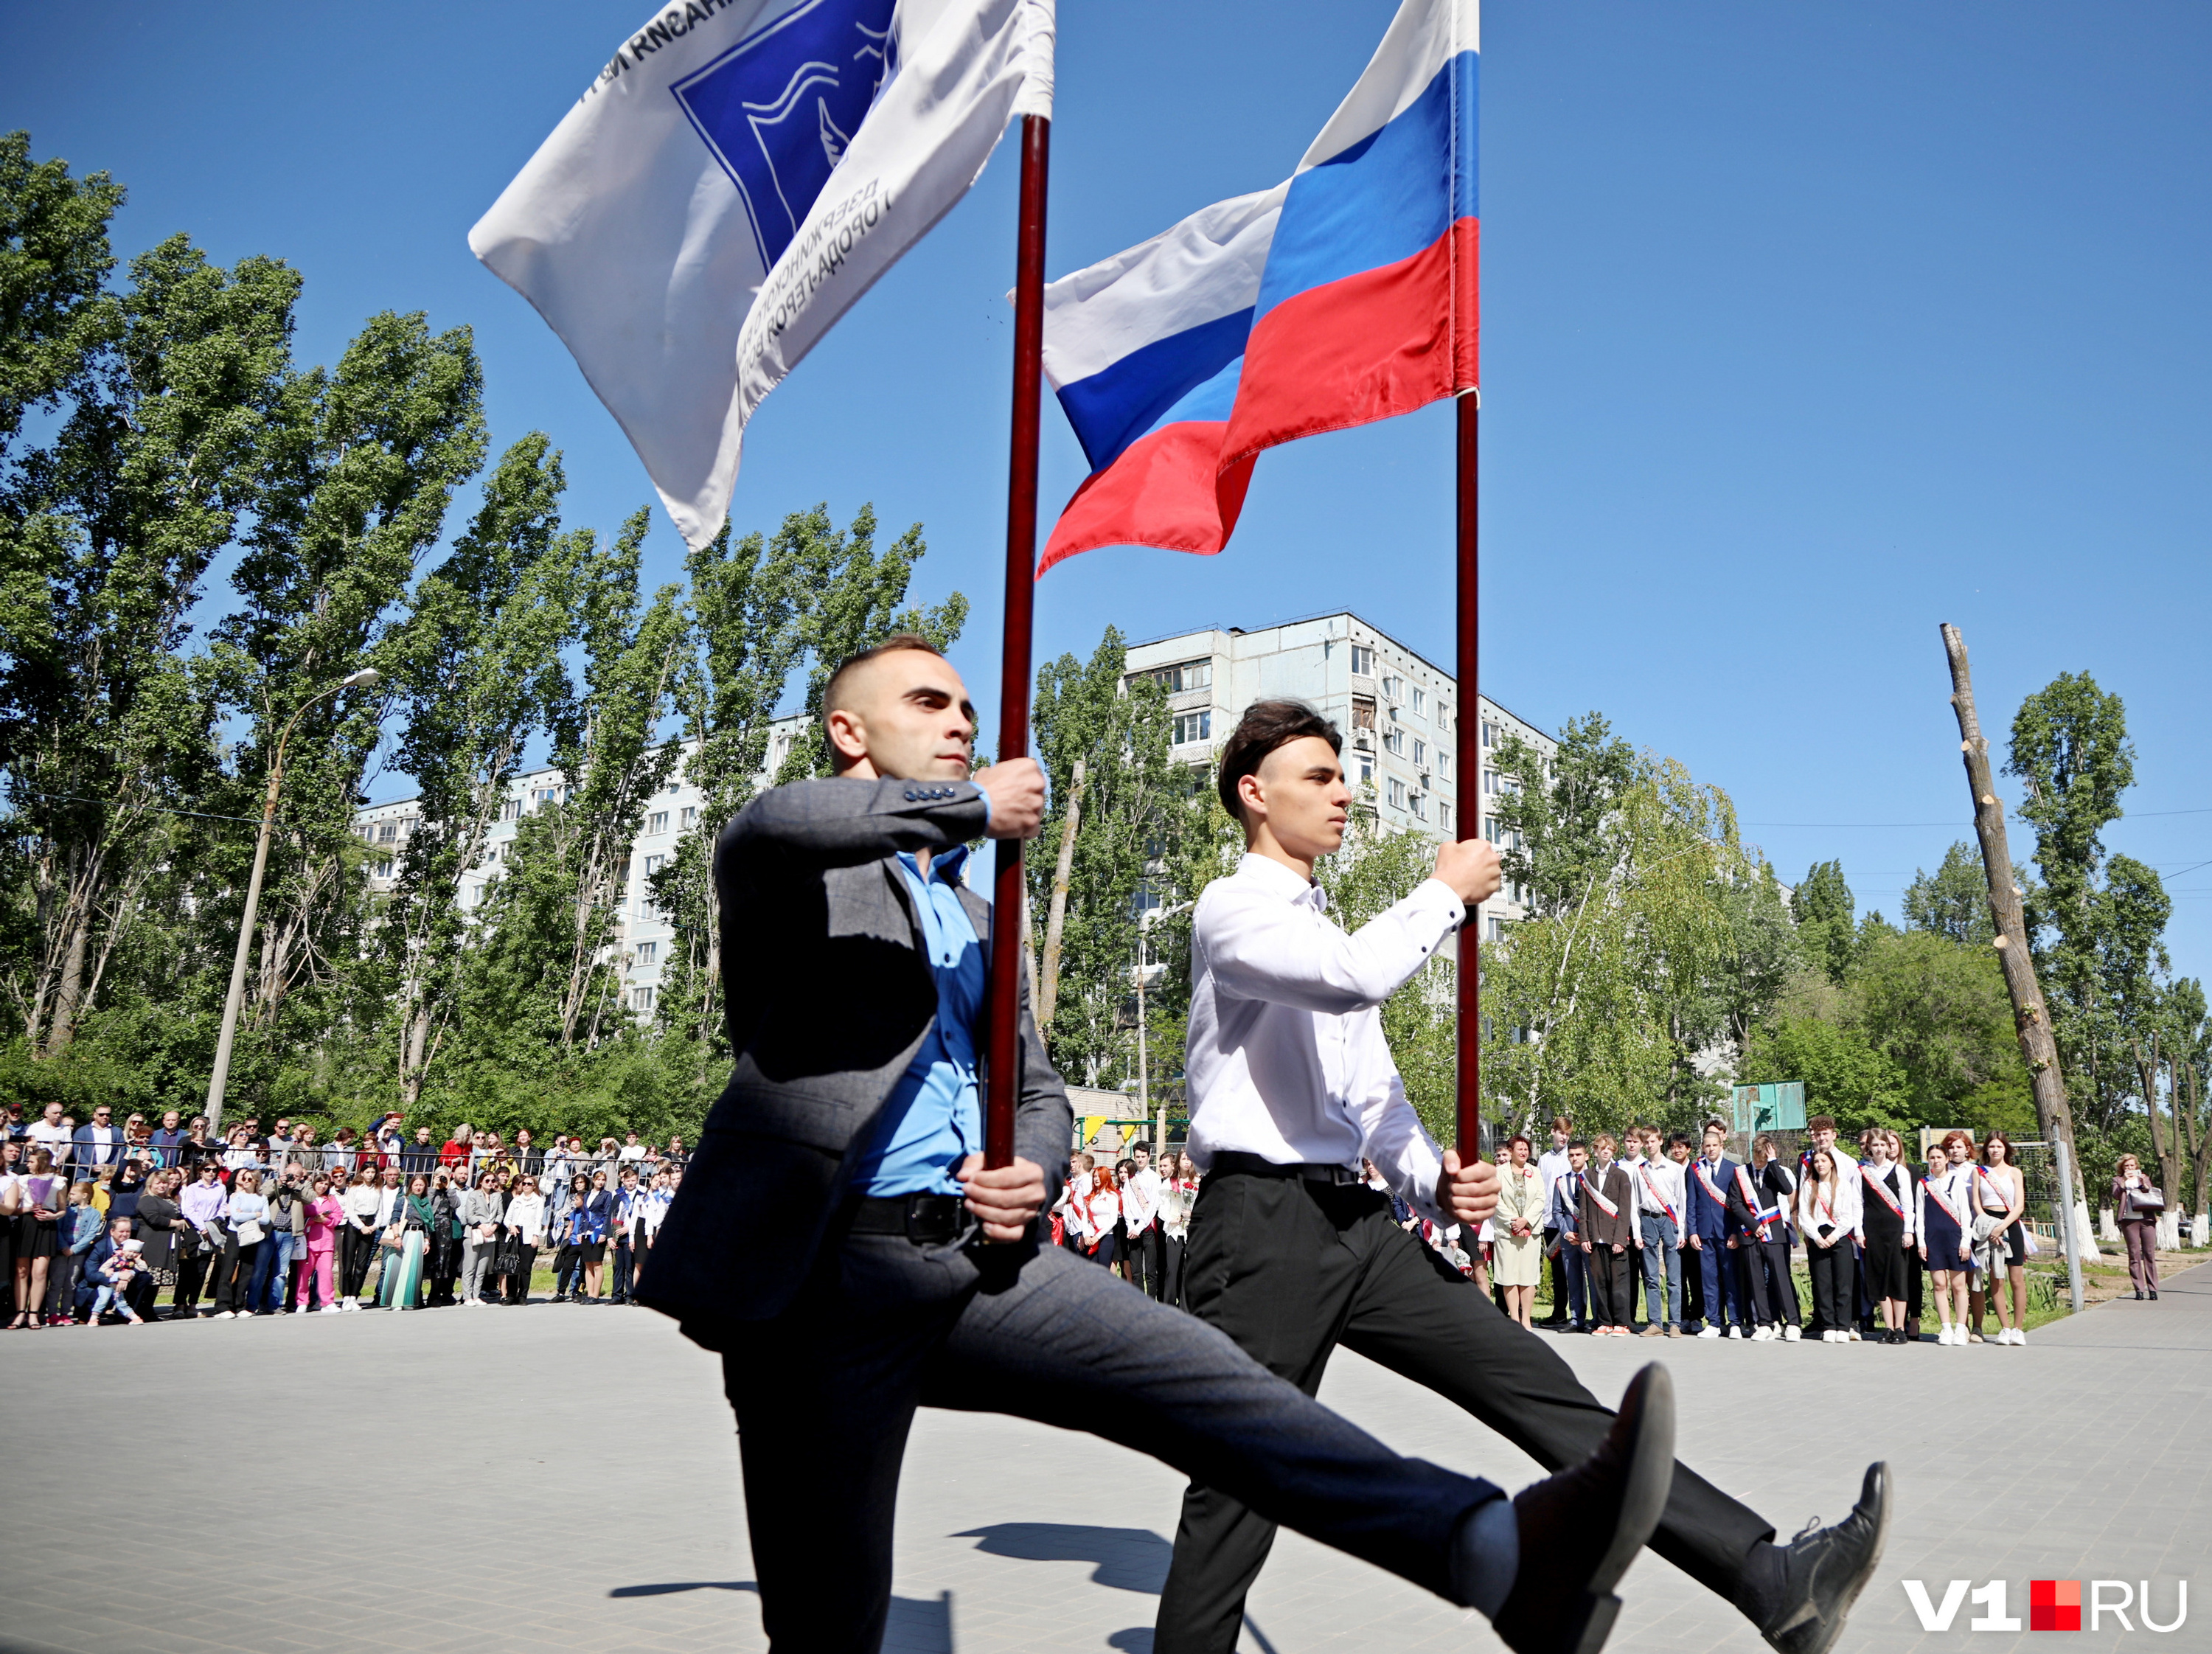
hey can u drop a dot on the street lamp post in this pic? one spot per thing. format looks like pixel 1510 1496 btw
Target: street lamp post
pixel 220 1077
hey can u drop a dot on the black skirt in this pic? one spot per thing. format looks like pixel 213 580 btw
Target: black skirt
pixel 1884 1263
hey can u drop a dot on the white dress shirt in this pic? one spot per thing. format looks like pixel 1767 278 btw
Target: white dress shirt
pixel 1846 1217
pixel 1657 1181
pixel 1140 1201
pixel 1553 1164
pixel 1287 1059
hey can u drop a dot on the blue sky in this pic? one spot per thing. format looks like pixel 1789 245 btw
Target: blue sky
pixel 1807 328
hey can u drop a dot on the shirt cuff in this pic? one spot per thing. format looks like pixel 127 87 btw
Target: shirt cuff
pixel 1434 899
pixel 1418 1169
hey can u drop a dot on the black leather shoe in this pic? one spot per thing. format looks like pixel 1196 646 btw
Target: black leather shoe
pixel 1824 1570
pixel 2154 1294
pixel 1581 1528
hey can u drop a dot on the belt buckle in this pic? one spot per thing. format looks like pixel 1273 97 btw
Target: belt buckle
pixel 920 1229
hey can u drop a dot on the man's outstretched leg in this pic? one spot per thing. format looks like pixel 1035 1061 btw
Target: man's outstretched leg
pixel 1046 1338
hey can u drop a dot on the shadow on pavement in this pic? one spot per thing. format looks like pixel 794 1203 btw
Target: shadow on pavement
pixel 1128 1558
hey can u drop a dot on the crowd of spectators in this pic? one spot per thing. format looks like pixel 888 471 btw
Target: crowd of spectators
pixel 102 1221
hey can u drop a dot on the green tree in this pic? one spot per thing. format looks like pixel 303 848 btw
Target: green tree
pixel 1826 917
pixel 1954 900
pixel 2095 926
pixel 478 660
pixel 1559 813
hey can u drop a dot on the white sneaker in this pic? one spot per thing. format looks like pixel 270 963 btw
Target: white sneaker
pixel 1709 1332
pixel 1950 1336
pixel 2020 1335
pixel 1763 1336
pixel 329 1308
pixel 224 1314
pixel 1735 1332
pixel 1790 1334
pixel 1851 1336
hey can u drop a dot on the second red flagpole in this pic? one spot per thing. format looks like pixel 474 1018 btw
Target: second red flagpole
pixel 1002 1056
pixel 1469 763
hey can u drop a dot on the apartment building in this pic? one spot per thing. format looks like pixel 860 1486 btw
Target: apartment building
pixel 642 937
pixel 1399 712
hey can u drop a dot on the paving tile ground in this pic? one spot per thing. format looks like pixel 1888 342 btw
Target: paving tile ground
pixel 558 1477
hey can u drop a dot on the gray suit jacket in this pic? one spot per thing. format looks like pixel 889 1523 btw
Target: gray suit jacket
pixel 828 996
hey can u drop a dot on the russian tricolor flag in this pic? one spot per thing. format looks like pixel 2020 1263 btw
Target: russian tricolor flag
pixel 1346 295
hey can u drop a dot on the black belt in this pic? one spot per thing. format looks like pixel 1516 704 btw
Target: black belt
pixel 925 1219
pixel 1252 1165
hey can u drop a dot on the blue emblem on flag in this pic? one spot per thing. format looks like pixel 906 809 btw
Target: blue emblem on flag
pixel 778 109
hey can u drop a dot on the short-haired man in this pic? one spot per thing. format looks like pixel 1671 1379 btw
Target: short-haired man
pixel 1563 1219
pixel 1552 1165
pixel 168 1139
pixel 48 1132
pixel 1659 1199
pixel 1140 1212
pixel 841 1241
pixel 1290 1084
pixel 98 1144
pixel 1710 1236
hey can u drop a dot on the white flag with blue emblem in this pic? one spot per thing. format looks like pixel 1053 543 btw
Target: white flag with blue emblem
pixel 733 182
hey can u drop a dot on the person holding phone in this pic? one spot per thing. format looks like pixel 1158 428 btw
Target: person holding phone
pixel 2140 1204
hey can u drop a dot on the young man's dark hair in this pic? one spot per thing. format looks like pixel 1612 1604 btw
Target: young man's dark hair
pixel 1266 726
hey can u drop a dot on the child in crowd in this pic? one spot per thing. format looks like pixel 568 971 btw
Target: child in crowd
pixel 114 1276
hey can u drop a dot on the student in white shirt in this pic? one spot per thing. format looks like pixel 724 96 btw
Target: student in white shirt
pixel 1656 1183
pixel 1291 1082
pixel 1552 1165
pixel 1827 1216
pixel 1140 1205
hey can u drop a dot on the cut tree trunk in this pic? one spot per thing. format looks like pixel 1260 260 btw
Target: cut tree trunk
pixel 2053 1116
pixel 1056 910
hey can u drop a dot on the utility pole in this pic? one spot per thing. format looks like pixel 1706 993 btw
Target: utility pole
pixel 2053 1117
pixel 220 1077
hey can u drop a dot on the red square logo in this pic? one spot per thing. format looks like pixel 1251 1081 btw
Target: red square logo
pixel 2054 1605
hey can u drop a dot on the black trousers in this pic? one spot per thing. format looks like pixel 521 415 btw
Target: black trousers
pixel 518 1280
pixel 1174 1251
pixel 1830 1268
pixel 1766 1272
pixel 826 1392
pixel 357 1251
pixel 233 1273
pixel 1609 1276
pixel 191 1275
pixel 1146 1262
pixel 1290 1270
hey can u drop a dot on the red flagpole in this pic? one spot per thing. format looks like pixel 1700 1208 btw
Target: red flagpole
pixel 1002 1059
pixel 1470 784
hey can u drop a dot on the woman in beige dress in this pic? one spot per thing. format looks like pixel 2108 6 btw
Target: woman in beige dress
pixel 1518 1223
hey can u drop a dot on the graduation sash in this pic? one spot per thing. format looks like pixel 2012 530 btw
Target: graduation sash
pixel 1943 1200
pixel 1603 1205
pixel 2004 1199
pixel 1645 1173
pixel 1761 1220
pixel 1877 1179
pixel 1705 1177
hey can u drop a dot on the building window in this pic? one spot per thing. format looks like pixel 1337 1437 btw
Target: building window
pixel 381 870
pixel 1395 741
pixel 646 952
pixel 1420 806
pixel 1393 688
pixel 1362 712
pixel 689 817
pixel 1420 700
pixel 1497 929
pixel 1492 734
pixel 1444 716
pixel 640 999
pixel 1397 794
pixel 386 832
pixel 657 822
pixel 1363 661
pixel 1490 830
pixel 1366 770
pixel 1443 760
pixel 1190 675
pixel 654 864
pixel 1490 783
pixel 1443 816
pixel 1191 726
pixel 1420 755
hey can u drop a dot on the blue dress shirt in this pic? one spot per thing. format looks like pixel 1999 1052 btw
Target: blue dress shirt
pixel 934 1119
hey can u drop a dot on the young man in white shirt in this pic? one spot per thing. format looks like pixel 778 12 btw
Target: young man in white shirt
pixel 1140 1211
pixel 1289 1084
pixel 1821 1129
pixel 1659 1198
pixel 1552 1165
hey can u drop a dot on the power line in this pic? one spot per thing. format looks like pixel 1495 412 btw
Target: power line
pixel 2205 810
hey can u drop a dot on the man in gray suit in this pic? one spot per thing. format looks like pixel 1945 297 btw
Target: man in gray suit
pixel 838 1241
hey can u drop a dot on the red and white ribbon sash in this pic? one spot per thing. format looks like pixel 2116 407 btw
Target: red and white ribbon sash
pixel 1877 1179
pixel 1761 1220
pixel 1645 1173
pixel 1598 1194
pixel 1943 1200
